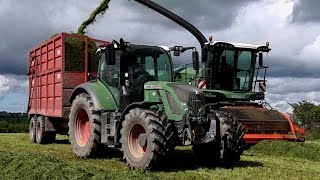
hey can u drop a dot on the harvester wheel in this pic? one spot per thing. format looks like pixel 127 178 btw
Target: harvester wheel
pixel 84 127
pixel 143 139
pixel 41 131
pixel 226 150
pixel 231 144
pixel 32 129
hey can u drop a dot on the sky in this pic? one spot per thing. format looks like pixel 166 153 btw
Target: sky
pixel 291 26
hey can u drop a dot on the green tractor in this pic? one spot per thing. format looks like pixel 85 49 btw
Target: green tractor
pixel 135 105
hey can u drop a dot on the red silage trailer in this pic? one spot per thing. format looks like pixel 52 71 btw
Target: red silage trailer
pixel 56 67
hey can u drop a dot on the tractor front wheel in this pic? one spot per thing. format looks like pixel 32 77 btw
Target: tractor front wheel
pixel 84 127
pixel 143 139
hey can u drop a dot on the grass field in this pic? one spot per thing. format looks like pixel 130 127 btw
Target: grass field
pixel 20 159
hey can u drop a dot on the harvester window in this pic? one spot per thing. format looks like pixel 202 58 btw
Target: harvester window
pixel 231 69
pixel 243 69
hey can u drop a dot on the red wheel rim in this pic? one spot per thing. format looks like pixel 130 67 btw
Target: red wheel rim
pixel 82 128
pixel 136 150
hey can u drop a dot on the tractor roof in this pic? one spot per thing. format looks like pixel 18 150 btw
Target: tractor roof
pixel 240 45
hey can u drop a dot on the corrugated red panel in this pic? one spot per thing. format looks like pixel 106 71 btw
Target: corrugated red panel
pixel 50 86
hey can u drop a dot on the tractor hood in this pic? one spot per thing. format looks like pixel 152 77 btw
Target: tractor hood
pixel 179 96
pixel 221 95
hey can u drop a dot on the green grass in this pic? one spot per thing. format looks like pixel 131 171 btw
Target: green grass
pixel 20 159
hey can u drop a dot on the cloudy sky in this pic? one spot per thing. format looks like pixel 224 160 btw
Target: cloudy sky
pixel 291 26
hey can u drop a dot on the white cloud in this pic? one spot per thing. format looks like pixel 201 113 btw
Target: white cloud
pixel 282 91
pixel 11 83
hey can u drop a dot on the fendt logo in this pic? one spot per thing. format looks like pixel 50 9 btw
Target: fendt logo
pixel 238 96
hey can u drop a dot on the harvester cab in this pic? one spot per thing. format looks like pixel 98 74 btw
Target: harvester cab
pixel 229 67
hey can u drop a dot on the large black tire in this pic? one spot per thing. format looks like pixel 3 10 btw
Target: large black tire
pixel 228 147
pixel 41 130
pixel 231 144
pixel 84 127
pixel 144 139
pixel 32 129
pixel 42 136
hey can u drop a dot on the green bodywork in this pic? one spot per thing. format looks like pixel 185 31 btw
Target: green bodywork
pixel 188 76
pixel 156 91
pixel 106 98
pixel 219 95
pixel 103 96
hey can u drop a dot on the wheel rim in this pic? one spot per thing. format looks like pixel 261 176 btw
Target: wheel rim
pixel 82 130
pixel 137 141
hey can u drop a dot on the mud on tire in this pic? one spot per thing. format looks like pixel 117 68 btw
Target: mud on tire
pixel 84 127
pixel 143 139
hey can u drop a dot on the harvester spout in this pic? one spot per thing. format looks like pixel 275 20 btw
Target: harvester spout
pixel 185 24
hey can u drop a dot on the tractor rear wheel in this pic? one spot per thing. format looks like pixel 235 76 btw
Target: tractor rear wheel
pixel 84 127
pixel 32 129
pixel 231 144
pixel 143 139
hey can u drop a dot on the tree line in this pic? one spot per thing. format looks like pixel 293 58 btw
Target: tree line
pixel 309 114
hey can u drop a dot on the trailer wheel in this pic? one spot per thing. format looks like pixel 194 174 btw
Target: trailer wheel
pixel 40 131
pixel 143 139
pixel 32 129
pixel 84 127
pixel 231 144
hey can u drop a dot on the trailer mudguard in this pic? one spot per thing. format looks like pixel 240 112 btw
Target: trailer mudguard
pixel 104 98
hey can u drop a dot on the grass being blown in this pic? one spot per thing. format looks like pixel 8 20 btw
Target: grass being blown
pixel 20 159
pixel 99 10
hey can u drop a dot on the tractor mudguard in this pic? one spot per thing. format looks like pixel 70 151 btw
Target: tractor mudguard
pixel 142 104
pixel 101 95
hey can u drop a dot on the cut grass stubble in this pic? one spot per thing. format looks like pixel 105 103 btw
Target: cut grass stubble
pixel 280 160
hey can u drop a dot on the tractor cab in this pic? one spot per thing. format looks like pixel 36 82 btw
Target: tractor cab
pixel 125 68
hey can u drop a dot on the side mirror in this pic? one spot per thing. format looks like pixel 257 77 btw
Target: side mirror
pixel 110 54
pixel 204 55
pixel 260 59
pixel 195 60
